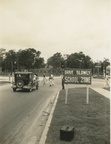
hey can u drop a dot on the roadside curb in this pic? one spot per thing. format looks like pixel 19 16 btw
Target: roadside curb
pixel 44 134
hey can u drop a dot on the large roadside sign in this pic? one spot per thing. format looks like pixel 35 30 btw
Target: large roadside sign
pixel 77 76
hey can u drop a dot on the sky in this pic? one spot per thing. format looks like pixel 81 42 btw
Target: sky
pixel 50 26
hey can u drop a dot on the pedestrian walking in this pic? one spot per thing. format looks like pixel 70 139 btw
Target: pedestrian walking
pixel 106 81
pixel 50 80
pixel 52 77
pixel 37 77
pixel 44 80
pixel 36 80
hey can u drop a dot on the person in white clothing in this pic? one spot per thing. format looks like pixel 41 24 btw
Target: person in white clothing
pixel 106 81
pixel 52 78
pixel 44 80
pixel 50 81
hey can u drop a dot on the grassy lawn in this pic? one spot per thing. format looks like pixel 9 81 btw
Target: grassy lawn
pixel 91 122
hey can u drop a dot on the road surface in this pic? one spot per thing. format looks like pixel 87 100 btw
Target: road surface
pixel 23 114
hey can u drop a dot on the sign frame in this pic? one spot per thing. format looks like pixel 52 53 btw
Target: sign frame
pixel 77 76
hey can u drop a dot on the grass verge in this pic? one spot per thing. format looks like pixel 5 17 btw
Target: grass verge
pixel 91 122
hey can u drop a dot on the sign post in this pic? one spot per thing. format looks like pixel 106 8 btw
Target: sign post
pixel 77 76
pixel 87 94
pixel 66 95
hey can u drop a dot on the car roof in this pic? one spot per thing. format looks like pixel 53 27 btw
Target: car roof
pixel 23 72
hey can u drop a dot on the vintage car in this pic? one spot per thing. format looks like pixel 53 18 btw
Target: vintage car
pixel 24 80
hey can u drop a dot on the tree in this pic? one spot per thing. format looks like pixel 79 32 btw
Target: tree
pixel 2 53
pixel 55 60
pixel 39 63
pixel 9 62
pixel 30 58
pixel 79 60
pixel 23 59
pixel 104 64
pixel 26 59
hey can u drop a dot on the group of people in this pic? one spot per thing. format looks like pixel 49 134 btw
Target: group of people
pixel 51 79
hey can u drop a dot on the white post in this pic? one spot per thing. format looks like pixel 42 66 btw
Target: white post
pixel 9 77
pixel 87 95
pixel 66 94
pixel 12 77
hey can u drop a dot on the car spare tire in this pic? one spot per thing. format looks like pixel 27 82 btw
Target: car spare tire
pixel 20 83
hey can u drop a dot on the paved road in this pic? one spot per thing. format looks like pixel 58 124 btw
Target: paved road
pixel 21 113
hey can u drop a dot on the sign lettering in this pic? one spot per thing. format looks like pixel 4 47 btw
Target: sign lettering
pixel 76 76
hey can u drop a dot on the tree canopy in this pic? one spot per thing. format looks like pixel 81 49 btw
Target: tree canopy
pixel 74 60
pixel 79 60
pixel 2 52
pixel 30 59
pixel 55 60
pixel 23 59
